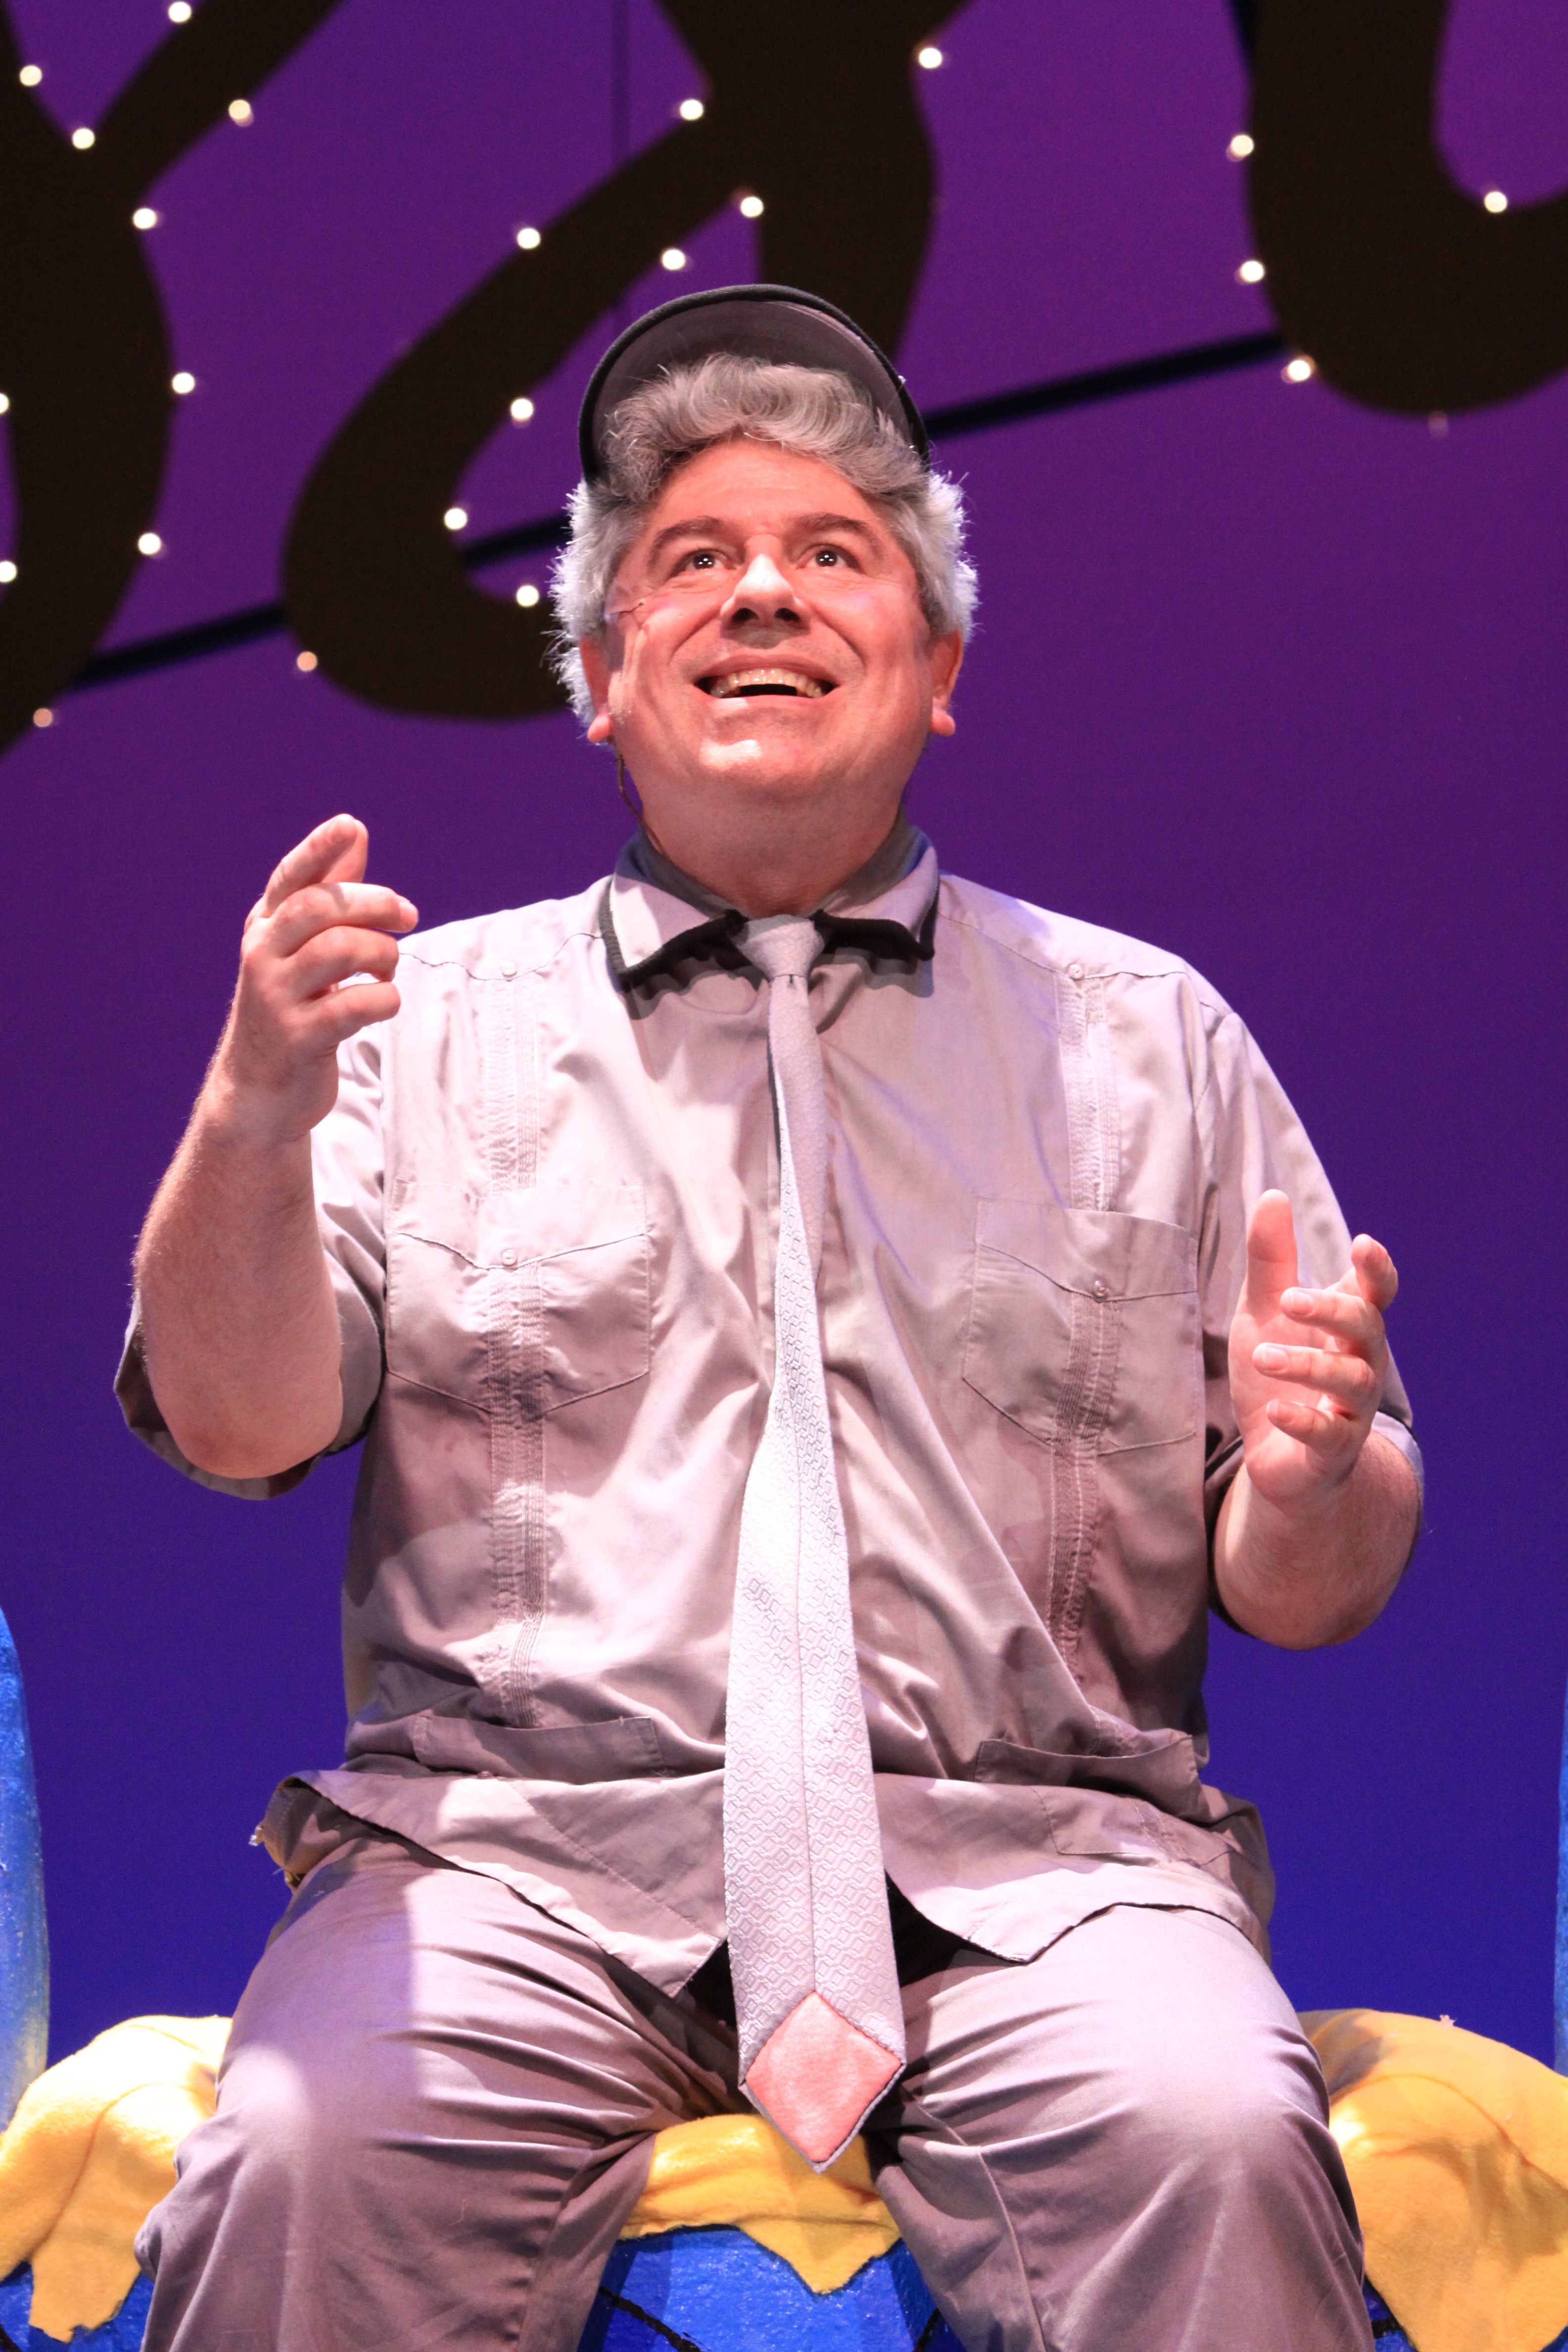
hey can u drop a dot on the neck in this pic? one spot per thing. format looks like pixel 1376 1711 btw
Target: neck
pixel 768 873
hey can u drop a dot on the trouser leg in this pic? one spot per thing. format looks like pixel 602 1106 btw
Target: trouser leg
pixel 434 2118
pixel 1122 2144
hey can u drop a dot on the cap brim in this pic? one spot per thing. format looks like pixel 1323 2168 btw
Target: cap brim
pixel 765 322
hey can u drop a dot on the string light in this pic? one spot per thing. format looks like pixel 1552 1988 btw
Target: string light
pixel 1300 369
pixel 1252 273
pixel 305 661
pixel 691 110
pixel 673 257
pixel 240 111
pixel 83 138
pixel 456 518
pixel 1494 201
pixel 30 76
pixel 528 594
pixel 4 403
pixel 182 383
pixel 43 718
pixel 751 207
pixel 179 12
pixel 528 238
pixel 930 57
pixel 150 544
pixel 1437 425
pixel 1241 147
pixel 521 410
pixel 8 572
pixel 144 218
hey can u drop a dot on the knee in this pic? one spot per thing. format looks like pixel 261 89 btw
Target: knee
pixel 1238 2106
pixel 309 2114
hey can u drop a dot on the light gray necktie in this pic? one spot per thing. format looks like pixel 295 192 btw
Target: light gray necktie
pixel 811 1946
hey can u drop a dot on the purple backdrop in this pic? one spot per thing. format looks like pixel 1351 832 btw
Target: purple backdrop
pixel 1261 676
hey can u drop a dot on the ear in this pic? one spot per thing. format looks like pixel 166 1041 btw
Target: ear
pixel 596 670
pixel 946 660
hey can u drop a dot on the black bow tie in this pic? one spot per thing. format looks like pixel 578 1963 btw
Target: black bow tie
pixel 714 944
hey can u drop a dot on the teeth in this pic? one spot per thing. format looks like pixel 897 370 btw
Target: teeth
pixel 742 681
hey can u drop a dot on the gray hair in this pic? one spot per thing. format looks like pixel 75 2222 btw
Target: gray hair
pixel 810 411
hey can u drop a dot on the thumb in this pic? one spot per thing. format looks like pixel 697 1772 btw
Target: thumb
pixel 1271 1254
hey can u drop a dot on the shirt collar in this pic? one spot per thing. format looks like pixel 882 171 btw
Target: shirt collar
pixel 886 910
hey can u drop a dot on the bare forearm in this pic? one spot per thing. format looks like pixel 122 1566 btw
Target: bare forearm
pixel 1302 1579
pixel 239 1323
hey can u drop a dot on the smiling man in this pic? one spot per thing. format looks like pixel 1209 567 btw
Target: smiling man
pixel 822 1337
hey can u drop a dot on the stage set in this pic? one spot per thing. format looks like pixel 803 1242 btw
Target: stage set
pixel 1243 330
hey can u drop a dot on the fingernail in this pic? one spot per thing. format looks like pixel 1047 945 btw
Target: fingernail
pixel 1268 1358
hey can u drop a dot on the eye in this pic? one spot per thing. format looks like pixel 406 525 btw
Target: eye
pixel 831 559
pixel 698 559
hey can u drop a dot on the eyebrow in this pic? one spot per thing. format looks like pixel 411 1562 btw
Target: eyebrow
pixel 714 527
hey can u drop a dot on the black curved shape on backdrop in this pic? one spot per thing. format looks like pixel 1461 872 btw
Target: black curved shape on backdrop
pixel 84 347
pixel 821 122
pixel 226 631
pixel 1408 293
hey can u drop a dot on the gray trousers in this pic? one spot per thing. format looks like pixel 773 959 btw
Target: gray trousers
pixel 437 2107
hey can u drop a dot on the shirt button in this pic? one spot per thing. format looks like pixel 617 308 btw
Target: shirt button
pixel 1102 1288
pixel 509 1258
pixel 1075 971
pixel 508 972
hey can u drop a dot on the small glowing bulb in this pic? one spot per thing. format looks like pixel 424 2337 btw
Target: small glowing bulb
pixel 691 110
pixel 30 76
pixel 144 218
pixel 751 208
pixel 1437 425
pixel 305 661
pixel 179 12
pixel 930 57
pixel 1494 201
pixel 528 238
pixel 150 543
pixel 240 111
pixel 8 572
pixel 673 257
pixel 456 518
pixel 83 138
pixel 1251 273
pixel 1299 371
pixel 182 383
pixel 528 594
pixel 43 718
pixel 1241 147
pixel 4 403
pixel 521 410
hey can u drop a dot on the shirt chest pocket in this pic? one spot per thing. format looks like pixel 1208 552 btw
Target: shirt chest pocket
pixel 1083 1324
pixel 541 1297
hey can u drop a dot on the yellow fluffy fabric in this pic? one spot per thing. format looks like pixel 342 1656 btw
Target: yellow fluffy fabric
pixel 1457 2153
pixel 736 2169
pixel 90 2152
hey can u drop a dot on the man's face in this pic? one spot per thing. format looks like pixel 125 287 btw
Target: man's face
pixel 767 649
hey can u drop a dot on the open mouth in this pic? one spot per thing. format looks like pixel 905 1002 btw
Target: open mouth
pixel 727 683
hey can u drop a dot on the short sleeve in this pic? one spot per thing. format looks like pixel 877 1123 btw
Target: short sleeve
pixel 1255 1142
pixel 347 1162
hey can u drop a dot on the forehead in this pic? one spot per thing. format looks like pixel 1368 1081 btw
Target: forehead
pixel 752 485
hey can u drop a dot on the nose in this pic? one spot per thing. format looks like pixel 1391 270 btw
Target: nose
pixel 762 592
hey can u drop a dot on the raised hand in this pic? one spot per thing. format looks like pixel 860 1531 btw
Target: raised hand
pixel 317 925
pixel 1307 1367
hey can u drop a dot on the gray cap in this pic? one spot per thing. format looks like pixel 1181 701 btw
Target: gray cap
pixel 764 322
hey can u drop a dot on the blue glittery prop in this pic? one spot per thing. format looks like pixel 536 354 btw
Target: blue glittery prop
pixel 24 1936
pixel 711 2290
pixel 123 2333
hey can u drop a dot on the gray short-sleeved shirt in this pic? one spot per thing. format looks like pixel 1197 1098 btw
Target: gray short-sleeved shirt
pixel 548 1194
